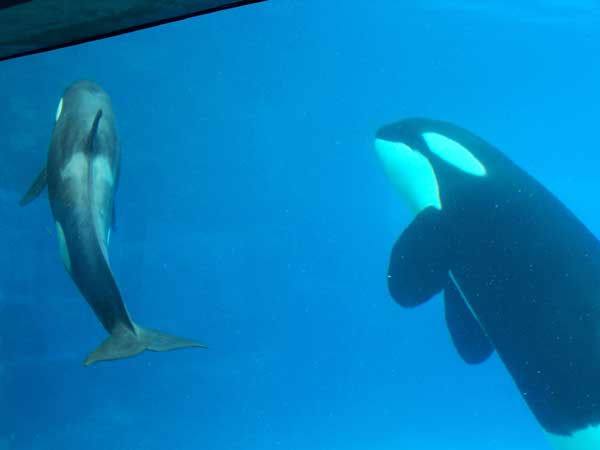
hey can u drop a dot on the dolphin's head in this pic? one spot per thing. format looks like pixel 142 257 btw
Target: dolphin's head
pixel 82 98
pixel 425 159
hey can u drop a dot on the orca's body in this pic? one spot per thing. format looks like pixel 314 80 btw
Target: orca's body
pixel 520 273
pixel 81 173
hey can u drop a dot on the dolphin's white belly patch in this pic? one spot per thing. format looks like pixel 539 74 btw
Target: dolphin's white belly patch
pixel 102 186
pixel 102 172
pixel 77 167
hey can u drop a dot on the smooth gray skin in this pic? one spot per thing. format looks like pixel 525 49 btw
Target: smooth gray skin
pixel 82 173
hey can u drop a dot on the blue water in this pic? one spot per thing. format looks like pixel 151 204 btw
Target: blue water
pixel 253 215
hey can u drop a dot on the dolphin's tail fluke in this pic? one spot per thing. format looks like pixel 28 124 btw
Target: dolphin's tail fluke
pixel 124 344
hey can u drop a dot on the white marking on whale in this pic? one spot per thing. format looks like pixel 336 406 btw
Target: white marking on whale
pixel 102 171
pixel 411 173
pixel 59 110
pixel 586 439
pixel 77 167
pixel 454 153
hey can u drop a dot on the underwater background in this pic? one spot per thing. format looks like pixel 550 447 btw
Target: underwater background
pixel 253 215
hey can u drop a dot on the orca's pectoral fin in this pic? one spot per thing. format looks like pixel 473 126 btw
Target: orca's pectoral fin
pixel 468 337
pixel 126 344
pixel 419 261
pixel 35 189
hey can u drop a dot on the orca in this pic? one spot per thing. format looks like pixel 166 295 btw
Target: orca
pixel 519 272
pixel 82 173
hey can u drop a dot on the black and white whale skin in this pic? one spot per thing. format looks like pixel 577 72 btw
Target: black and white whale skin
pixel 81 173
pixel 519 271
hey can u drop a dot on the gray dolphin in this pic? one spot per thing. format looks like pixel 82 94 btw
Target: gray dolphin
pixel 82 173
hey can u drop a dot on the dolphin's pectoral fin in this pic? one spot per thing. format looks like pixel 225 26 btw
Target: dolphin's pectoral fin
pixel 468 337
pixel 35 189
pixel 126 344
pixel 419 263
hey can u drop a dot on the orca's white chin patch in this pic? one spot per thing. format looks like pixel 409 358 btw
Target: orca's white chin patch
pixel 411 174
pixel 586 439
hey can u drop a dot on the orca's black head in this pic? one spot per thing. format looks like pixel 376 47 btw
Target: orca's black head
pixel 429 160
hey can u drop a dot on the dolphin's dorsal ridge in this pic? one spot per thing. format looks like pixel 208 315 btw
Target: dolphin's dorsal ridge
pixel 93 132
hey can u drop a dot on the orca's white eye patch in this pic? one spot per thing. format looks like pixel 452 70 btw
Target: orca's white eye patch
pixel 59 110
pixel 454 153
pixel 411 174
